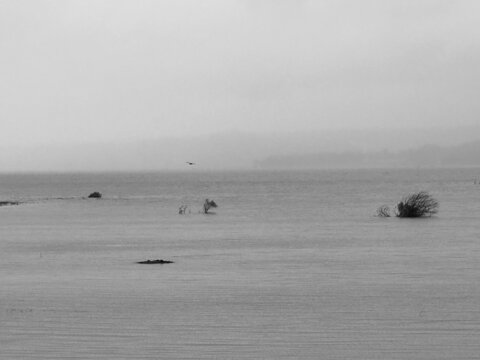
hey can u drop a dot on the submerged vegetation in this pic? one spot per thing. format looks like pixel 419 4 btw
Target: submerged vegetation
pixel 208 204
pixel 383 211
pixel 420 204
pixel 417 205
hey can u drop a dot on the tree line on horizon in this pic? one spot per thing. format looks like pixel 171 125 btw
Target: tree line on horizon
pixel 465 155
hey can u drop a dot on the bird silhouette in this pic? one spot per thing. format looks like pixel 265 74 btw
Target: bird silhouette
pixel 190 163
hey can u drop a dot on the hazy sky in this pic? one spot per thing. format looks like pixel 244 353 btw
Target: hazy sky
pixel 77 70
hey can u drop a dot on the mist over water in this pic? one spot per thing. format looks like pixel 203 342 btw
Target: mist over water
pixel 291 265
pixel 236 150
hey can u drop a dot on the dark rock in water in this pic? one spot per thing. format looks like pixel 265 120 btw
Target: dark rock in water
pixel 95 195
pixel 158 261
pixel 6 203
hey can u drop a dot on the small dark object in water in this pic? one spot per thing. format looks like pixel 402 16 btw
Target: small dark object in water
pixel 5 203
pixel 95 195
pixel 158 261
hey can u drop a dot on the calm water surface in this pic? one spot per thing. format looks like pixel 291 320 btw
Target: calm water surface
pixel 292 265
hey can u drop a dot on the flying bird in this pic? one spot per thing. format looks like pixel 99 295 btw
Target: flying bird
pixel 190 163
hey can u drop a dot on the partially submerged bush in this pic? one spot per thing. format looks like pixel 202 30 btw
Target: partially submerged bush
pixel 383 211
pixel 182 210
pixel 417 205
pixel 208 204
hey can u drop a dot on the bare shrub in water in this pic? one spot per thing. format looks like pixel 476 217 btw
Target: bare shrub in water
pixel 417 205
pixel 208 204
pixel 383 211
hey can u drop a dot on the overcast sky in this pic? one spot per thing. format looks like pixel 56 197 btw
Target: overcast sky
pixel 103 70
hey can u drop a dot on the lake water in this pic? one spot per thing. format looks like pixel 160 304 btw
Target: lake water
pixel 292 265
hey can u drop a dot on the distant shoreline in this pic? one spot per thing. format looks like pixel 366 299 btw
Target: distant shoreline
pixel 253 169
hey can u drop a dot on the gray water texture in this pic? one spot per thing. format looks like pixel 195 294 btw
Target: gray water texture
pixel 291 265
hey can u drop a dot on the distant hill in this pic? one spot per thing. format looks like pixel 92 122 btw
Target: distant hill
pixel 239 150
pixel 465 155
